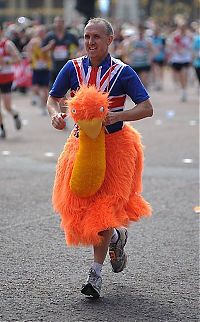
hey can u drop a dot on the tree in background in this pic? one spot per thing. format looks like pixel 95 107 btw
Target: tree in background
pixel 163 11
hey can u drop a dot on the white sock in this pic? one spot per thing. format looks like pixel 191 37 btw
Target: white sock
pixel 43 110
pixel 183 95
pixel 97 267
pixel 184 92
pixel 37 99
pixel 115 236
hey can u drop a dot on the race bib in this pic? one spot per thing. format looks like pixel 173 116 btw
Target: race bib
pixel 60 52
pixel 41 64
pixel 139 52
pixel 6 69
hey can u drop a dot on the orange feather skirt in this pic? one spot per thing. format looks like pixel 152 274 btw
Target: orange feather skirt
pixel 117 202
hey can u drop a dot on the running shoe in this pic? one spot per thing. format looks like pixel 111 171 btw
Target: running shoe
pixel 92 287
pixel 118 257
pixel 18 123
pixel 2 133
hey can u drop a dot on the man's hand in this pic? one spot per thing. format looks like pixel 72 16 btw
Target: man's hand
pixel 138 112
pixel 52 44
pixel 111 118
pixel 57 121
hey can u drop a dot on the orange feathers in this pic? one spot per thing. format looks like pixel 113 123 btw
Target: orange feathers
pixel 118 200
pixel 88 103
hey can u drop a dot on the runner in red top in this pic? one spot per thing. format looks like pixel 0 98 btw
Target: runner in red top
pixel 9 55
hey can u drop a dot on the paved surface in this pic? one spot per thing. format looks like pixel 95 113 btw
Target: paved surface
pixel 40 278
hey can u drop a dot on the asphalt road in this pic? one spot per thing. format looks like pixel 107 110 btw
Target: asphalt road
pixel 40 278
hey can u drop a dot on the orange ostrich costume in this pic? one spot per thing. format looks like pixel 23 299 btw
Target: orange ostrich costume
pixel 98 180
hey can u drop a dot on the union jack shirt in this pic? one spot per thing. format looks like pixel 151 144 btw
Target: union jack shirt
pixel 112 76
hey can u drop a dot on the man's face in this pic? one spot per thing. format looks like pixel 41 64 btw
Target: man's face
pixel 96 40
pixel 41 32
pixel 59 23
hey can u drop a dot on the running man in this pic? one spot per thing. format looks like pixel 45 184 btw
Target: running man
pixel 9 55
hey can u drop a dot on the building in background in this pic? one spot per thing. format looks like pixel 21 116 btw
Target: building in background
pixel 42 10
pixel 127 10
pixel 45 10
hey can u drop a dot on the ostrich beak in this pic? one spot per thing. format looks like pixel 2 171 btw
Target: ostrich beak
pixel 92 128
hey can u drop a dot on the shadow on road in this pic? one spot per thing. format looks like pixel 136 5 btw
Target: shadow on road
pixel 129 305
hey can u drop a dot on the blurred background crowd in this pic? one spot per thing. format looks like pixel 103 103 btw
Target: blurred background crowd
pixel 152 36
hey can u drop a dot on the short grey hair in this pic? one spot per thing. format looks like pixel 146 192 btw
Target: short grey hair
pixel 106 23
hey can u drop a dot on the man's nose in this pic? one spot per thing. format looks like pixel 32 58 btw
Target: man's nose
pixel 91 40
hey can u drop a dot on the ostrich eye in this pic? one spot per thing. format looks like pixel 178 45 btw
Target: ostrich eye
pixel 101 109
pixel 73 110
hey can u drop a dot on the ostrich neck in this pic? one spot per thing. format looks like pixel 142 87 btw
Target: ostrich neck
pixel 89 166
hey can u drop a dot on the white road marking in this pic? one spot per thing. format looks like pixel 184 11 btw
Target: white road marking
pixel 187 161
pixel 5 152
pixel 192 123
pixel 170 114
pixel 25 122
pixel 158 122
pixel 49 154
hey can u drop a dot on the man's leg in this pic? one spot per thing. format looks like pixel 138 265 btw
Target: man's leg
pixel 44 90
pixel 114 240
pixel 92 287
pixel 101 250
pixel 183 83
pixel 2 129
pixel 7 101
pixel 36 100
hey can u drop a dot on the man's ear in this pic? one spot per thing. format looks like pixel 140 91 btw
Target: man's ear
pixel 110 39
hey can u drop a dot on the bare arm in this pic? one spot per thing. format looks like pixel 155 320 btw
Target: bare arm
pixel 29 48
pixel 153 51
pixel 48 47
pixel 57 117
pixel 13 51
pixel 138 112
